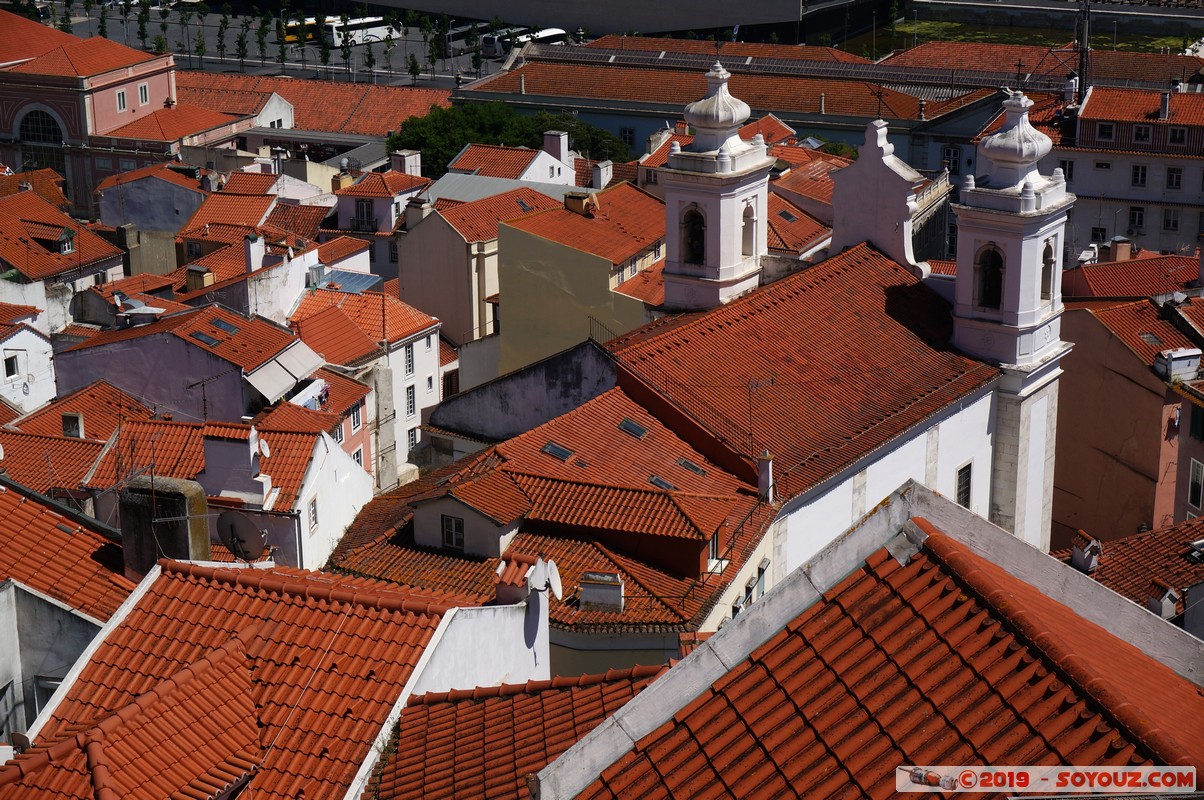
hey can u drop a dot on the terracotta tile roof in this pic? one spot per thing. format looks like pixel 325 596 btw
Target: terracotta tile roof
pixel 252 344
pixel 165 449
pixel 291 453
pixel 1128 565
pixel 772 129
pixel 1141 277
pixel 762 92
pixel 162 172
pixel 254 183
pixel 876 673
pixel 1135 105
pixel 228 101
pixel 321 659
pixel 287 416
pixel 43 463
pixel 27 38
pixel 82 58
pixel 790 228
pixel 378 316
pixel 493 160
pixel 447 353
pixel 812 179
pixel 647 285
pixel 941 266
pixel 44 182
pixel 143 282
pixel 230 209
pixel 547 717
pixel 29 232
pixel 358 108
pixel 384 184
pixel 298 220
pixel 629 172
pixel 477 221
pixel 341 247
pixel 626 222
pixel 345 392
pixel 10 313
pixel 8 412
pixel 1138 325
pixel 660 156
pixel 172 124
pixel 333 335
pixel 126 754
pixel 102 406
pixel 63 557
pixel 828 321
pixel 1053 62
pixel 739 50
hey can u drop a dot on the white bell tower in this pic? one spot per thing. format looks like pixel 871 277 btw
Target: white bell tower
pixel 716 203
pixel 1011 223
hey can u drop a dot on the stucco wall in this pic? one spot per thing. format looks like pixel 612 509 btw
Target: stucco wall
pixel 439 276
pixel 341 487
pixel 482 536
pixel 33 384
pixel 150 204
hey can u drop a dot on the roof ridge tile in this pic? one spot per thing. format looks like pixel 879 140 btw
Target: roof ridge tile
pixel 554 683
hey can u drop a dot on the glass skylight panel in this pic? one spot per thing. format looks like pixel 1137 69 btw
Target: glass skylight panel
pixel 786 215
pixel 633 428
pixel 221 324
pixel 523 205
pixel 557 451
pixel 661 483
pixel 690 465
pixel 201 336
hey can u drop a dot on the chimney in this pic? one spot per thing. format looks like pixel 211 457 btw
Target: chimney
pixel 583 203
pixel 407 162
pixel 603 173
pixel 765 477
pixel 254 250
pixel 1070 89
pixel 197 278
pixel 522 84
pixel 822 102
pixel 162 518
pixel 1162 599
pixel 1164 109
pixel 24 186
pixel 1085 554
pixel 417 209
pixel 556 144
pixel 1179 363
pixel 601 591
pixel 1122 249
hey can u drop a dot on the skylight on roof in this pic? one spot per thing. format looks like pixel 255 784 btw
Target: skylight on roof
pixel 661 483
pixel 201 336
pixel 1151 338
pixel 633 428
pixel 523 205
pixel 557 451
pixel 690 465
pixel 786 215
pixel 221 324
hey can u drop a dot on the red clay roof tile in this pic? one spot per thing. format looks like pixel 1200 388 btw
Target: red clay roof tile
pixel 791 229
pixel 379 316
pixel 27 38
pixel 172 124
pixel 333 335
pixel 493 160
pixel 44 182
pixel 341 247
pixel 230 209
pixel 1135 105
pixel 1140 277
pixel 345 392
pixel 384 184
pixel 29 232
pixel 738 50
pixel 477 221
pixel 69 560
pixel 163 172
pixel 625 222
pixel 1138 325
pixel 102 406
pixel 44 463
pixel 647 285
pixel 82 58
pixel 253 183
pixel 438 752
pixel 326 657
pixel 168 449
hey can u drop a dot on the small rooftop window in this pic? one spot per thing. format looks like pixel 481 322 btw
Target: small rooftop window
pixel 557 451
pixel 661 483
pixel 630 426
pixel 786 215
pixel 523 205
pixel 201 336
pixel 221 324
pixel 690 465
pixel 1151 338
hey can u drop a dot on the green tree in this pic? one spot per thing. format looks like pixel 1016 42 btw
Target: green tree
pixel 126 7
pixel 240 44
pixel 408 21
pixel 414 68
pixel 473 42
pixel 370 59
pixel 223 30
pixel 102 23
pixel 281 43
pixel 302 35
pixel 345 44
pixel 88 6
pixel 64 23
pixel 143 20
pixel 261 36
pixel 164 12
pixel 432 55
pixel 443 132
pixel 324 50
pixel 185 17
pixel 200 47
pixel 160 43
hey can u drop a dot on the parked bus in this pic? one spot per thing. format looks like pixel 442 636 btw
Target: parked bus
pixel 359 31
pixel 545 36
pixel 455 42
pixel 496 45
pixel 313 29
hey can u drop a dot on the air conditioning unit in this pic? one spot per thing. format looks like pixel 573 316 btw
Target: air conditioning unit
pixel 1135 231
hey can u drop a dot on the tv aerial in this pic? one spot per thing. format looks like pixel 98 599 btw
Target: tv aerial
pixel 240 536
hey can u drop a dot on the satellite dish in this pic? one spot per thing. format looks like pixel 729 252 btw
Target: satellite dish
pixel 264 450
pixel 1 452
pixel 25 388
pixel 537 578
pixel 554 580
pixel 240 536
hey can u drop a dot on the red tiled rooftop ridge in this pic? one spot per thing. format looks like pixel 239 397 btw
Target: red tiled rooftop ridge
pixel 101 405
pixel 477 221
pixel 740 50
pixel 493 160
pixel 26 38
pixel 43 463
pixel 29 232
pixel 1139 326
pixel 82 58
pixel 1139 277
pixel 626 221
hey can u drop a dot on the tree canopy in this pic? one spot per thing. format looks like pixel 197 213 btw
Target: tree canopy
pixel 442 133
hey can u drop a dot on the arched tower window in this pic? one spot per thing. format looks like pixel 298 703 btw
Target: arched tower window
pixel 1047 271
pixel 990 278
pixel 41 142
pixel 749 230
pixel 693 237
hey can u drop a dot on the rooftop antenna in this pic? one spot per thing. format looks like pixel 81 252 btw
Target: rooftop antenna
pixel 1084 46
pixel 545 575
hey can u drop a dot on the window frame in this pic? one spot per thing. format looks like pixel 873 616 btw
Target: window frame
pixel 313 513
pixel 456 530
pixel 121 104
pixel 143 94
pixel 1105 131
pixel 1137 218
pixel 1174 178
pixel 411 401
pixel 1170 219
pixel 408 355
pixel 964 485
pixel 1176 136
pixel 357 419
pixel 1195 483
pixel 1142 134
pixel 1067 167
pixel 1139 176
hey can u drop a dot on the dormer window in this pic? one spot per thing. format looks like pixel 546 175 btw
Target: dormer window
pixel 1105 131
pixel 989 270
pixel 453 532
pixel 67 241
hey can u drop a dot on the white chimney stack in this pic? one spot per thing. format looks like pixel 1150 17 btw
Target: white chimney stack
pixel 765 477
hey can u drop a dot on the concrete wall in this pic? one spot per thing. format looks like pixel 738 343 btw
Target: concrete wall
pixel 341 488
pixel 518 402
pixel 483 537
pixel 42 638
pixel 424 379
pixel 594 653
pixel 442 275
pixel 150 203
pixel 488 646
pixel 1110 432
pixel 549 291
pixel 55 297
pixel 33 384
pixel 155 253
pixel 963 435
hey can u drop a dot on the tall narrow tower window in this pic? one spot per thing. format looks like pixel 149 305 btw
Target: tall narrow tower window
pixel 990 278
pixel 750 232
pixel 1047 272
pixel 693 237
